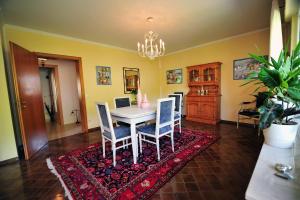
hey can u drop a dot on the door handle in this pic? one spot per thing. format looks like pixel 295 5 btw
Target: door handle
pixel 23 104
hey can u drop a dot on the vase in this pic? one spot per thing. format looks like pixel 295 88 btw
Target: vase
pixel 281 136
pixel 145 102
pixel 139 96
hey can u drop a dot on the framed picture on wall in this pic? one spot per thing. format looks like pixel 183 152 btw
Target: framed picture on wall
pixel 103 75
pixel 242 68
pixel 174 76
pixel 131 78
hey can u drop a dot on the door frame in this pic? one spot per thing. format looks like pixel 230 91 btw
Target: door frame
pixel 60 117
pixel 80 83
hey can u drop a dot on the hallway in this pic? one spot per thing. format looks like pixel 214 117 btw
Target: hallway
pixel 56 131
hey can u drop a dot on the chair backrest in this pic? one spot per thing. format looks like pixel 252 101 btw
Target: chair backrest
pixel 165 113
pixel 122 102
pixel 178 102
pixel 105 119
pixel 181 93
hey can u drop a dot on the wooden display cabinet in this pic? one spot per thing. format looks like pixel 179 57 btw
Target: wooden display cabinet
pixel 203 98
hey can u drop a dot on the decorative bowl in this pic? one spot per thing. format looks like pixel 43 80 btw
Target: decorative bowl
pixel 283 167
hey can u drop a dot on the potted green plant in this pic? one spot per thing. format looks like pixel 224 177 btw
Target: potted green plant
pixel 280 82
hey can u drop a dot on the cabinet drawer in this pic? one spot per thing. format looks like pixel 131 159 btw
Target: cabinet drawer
pixel 202 98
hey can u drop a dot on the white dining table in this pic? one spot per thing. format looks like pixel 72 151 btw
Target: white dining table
pixel 133 115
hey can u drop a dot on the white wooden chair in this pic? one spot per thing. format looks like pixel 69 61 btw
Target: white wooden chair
pixel 122 102
pixel 178 114
pixel 110 133
pixel 164 125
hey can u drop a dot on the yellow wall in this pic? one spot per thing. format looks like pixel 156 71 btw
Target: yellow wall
pixel 7 140
pixel 92 55
pixel 224 51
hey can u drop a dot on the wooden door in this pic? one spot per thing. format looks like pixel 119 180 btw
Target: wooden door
pixel 29 99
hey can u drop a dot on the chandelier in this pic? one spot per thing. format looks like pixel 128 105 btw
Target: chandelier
pixel 153 47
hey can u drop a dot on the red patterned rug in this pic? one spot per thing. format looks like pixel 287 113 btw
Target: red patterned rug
pixel 85 174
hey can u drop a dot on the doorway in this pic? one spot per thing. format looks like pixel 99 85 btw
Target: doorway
pixel 60 98
pixel 53 60
pixel 29 99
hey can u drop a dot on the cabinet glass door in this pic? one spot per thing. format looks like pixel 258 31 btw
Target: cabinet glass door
pixel 209 74
pixel 194 75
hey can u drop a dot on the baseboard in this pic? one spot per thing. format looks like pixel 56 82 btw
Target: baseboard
pixel 234 122
pixel 94 129
pixel 9 161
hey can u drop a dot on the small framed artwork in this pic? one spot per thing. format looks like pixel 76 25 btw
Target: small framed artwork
pixel 242 68
pixel 103 75
pixel 174 76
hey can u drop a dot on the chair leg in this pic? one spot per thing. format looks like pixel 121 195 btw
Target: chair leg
pixel 157 147
pixel 238 121
pixel 103 146
pixel 141 145
pixel 114 153
pixel 254 123
pixel 172 140
pixel 124 142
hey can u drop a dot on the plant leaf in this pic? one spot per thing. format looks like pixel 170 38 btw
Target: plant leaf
pixel 294 82
pixel 290 111
pixel 281 57
pixel 295 73
pixel 252 75
pixel 296 63
pixel 271 78
pixel 261 59
pixel 256 89
pixel 285 68
pixel 269 113
pixel 249 81
pixel 275 64
pixel 296 51
pixel 294 92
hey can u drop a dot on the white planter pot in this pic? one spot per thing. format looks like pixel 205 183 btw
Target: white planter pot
pixel 281 136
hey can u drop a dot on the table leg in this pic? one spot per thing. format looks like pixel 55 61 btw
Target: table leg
pixel 134 142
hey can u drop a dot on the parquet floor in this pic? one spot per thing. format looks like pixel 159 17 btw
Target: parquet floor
pixel 221 172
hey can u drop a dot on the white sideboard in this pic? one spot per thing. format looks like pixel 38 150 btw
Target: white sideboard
pixel 264 185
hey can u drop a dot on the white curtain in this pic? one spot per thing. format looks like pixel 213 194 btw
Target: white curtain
pixel 53 85
pixel 275 31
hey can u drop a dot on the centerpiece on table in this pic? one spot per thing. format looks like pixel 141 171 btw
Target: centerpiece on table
pixel 280 82
pixel 140 100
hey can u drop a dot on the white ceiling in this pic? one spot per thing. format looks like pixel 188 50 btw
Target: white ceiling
pixel 122 23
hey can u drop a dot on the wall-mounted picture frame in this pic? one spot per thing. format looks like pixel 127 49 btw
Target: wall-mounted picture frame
pixel 103 75
pixel 174 76
pixel 242 68
pixel 131 79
